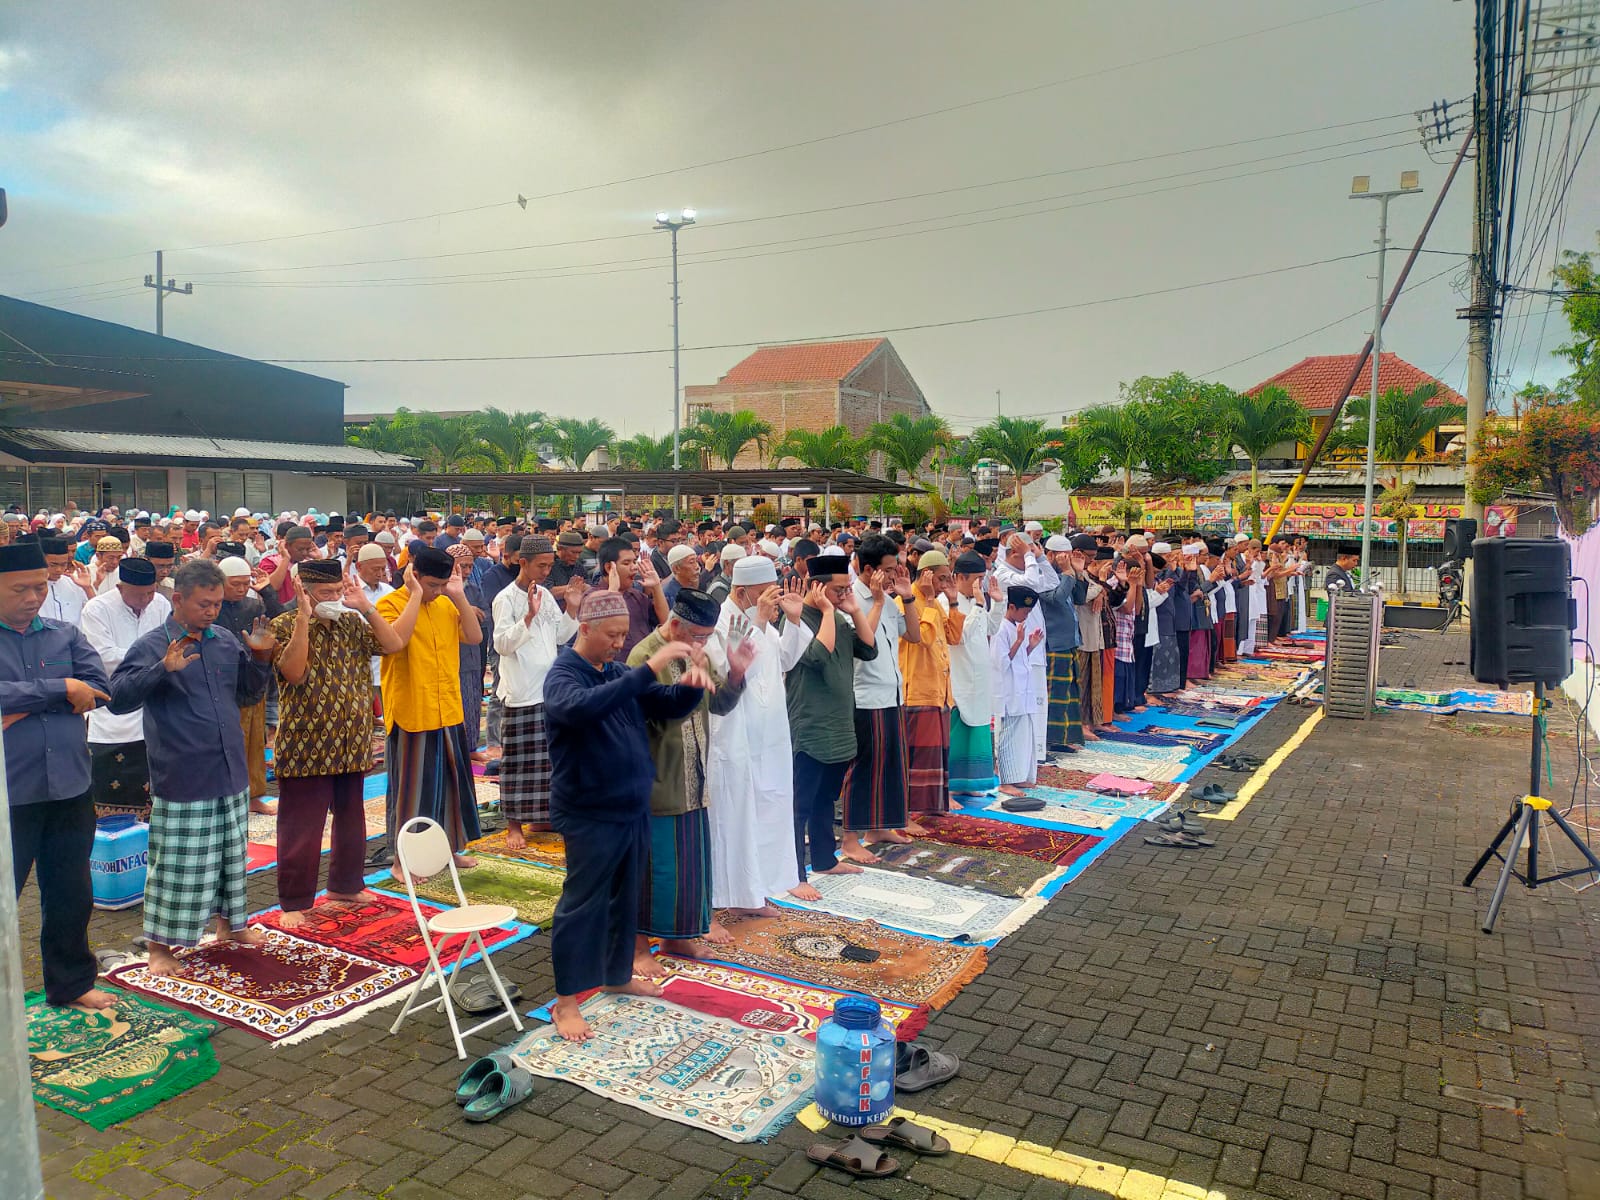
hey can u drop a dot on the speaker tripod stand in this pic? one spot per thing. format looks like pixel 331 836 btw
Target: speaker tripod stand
pixel 1522 827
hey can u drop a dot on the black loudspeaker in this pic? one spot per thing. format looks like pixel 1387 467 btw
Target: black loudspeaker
pixel 1522 610
pixel 1459 534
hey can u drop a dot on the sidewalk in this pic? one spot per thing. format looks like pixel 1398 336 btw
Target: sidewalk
pixel 1307 1010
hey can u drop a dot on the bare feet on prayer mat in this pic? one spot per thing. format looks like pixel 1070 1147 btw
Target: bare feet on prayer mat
pixel 859 854
pixel 683 948
pixel 245 937
pixel 892 835
pixel 94 998
pixel 766 910
pixel 266 808
pixel 292 918
pixel 465 862
pixel 364 896
pixel 644 963
pixel 162 961
pixel 569 1021
pixel 804 891
pixel 1007 790
pixel 514 838
pixel 913 829
pixel 842 868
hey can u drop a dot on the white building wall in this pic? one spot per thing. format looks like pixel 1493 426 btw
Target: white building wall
pixel 301 493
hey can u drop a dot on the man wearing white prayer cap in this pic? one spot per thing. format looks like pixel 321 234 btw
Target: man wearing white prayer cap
pixel 750 765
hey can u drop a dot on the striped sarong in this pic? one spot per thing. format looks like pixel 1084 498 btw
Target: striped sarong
pixel 971 757
pixel 1066 712
pixel 525 767
pixel 875 785
pixel 430 775
pixel 1018 767
pixel 197 861
pixel 1090 687
pixel 927 759
pixel 675 896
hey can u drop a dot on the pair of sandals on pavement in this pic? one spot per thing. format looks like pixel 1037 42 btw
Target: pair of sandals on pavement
pixel 493 1085
pixel 862 1155
pixel 1180 830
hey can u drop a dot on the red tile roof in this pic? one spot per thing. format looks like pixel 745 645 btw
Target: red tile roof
pixel 1316 381
pixel 807 362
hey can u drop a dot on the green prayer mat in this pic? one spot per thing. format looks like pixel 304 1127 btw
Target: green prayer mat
pixel 529 888
pixel 106 1066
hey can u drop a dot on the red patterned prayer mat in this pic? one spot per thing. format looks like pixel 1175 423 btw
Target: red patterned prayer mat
pixel 383 928
pixel 286 989
pixel 766 1002
pixel 1047 845
pixel 1078 781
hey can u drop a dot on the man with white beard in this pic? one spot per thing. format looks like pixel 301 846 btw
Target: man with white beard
pixel 750 774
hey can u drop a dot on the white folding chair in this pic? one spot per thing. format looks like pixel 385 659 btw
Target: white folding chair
pixel 422 849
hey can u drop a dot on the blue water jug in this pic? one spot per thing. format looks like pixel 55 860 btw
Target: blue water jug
pixel 118 862
pixel 855 1063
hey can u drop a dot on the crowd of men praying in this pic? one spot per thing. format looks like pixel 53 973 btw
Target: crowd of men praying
pixel 693 706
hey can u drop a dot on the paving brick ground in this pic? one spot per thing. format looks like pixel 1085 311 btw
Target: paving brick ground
pixel 1307 1011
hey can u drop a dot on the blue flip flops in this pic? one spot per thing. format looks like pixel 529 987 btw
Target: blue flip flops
pixel 474 1077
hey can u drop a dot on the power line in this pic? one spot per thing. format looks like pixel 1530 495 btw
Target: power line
pixel 947 324
pixel 883 232
pixel 745 156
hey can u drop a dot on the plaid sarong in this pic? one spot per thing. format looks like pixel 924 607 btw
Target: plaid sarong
pixel 1065 726
pixel 197 862
pixel 525 767
pixel 927 759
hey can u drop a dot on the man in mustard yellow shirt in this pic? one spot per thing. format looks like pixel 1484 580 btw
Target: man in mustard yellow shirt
pixel 428 756
pixel 925 665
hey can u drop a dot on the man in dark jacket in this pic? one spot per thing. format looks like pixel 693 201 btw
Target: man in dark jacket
pixel 602 774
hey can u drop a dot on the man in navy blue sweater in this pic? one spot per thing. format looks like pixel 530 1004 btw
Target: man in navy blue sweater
pixel 601 776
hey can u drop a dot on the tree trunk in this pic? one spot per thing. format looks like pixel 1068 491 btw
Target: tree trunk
pixel 1255 475
pixel 1127 481
pixel 1400 537
pixel 1017 479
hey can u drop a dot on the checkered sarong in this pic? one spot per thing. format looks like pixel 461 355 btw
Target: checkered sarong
pixel 525 766
pixel 197 861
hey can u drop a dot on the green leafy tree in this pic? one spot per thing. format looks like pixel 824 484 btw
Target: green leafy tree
pixel 1407 421
pixel 1554 447
pixel 1021 444
pixel 1397 503
pixel 723 436
pixel 1254 424
pixel 1184 420
pixel 642 452
pixel 578 440
pixel 395 434
pixel 906 443
pixel 834 448
pixel 1109 435
pixel 513 438
pixel 1575 274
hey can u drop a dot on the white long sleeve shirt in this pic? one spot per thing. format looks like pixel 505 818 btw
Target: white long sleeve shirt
pixel 877 682
pixel 970 668
pixel 527 650
pixel 64 602
pixel 1015 687
pixel 111 627
pixel 1042 578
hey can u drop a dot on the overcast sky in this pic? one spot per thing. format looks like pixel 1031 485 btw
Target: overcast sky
pixel 189 125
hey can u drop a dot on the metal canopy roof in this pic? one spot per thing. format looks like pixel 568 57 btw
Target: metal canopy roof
pixel 797 481
pixel 158 449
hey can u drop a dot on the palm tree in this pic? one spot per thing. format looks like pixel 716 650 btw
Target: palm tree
pixel 1254 424
pixel 834 448
pixel 642 452
pixel 1395 502
pixel 1405 422
pixel 577 441
pixel 907 442
pixel 724 435
pixel 1119 434
pixel 450 443
pixel 1020 444
pixel 393 435
pixel 513 437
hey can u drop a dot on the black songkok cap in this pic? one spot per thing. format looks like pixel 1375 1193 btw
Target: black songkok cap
pixel 1021 597
pixel 435 564
pixel 697 608
pixel 986 545
pixel 335 524
pixel 154 550
pixel 23 556
pixel 970 564
pixel 1104 554
pixel 1085 542
pixel 323 570
pixel 54 545
pixel 357 530
pixel 140 572
pixel 1349 548
pixel 229 550
pixel 826 566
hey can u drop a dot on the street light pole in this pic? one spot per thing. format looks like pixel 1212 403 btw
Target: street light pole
pixel 1361 189
pixel 671 225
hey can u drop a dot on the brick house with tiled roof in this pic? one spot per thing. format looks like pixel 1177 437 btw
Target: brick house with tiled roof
pixel 813 386
pixel 1315 383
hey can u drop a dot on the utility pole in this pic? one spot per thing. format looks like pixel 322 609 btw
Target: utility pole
pixel 1361 190
pixel 162 287
pixel 671 225
pixel 1480 312
pixel 997 404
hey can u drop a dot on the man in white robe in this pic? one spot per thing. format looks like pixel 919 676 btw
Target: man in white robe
pixel 1022 563
pixel 1016 692
pixel 971 744
pixel 750 769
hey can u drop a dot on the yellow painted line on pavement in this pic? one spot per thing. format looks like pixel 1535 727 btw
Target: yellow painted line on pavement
pixel 1256 782
pixel 1125 1183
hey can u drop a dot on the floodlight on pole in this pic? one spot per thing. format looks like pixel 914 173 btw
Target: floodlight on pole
pixel 671 225
pixel 1361 189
